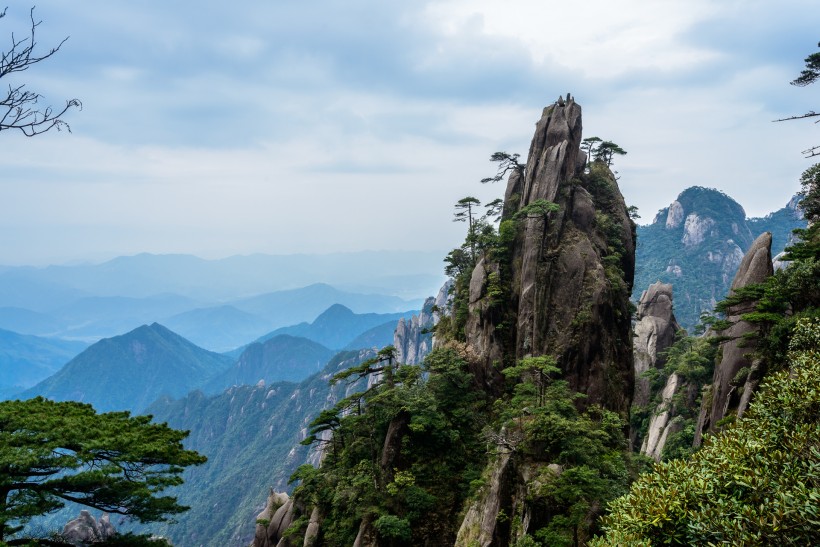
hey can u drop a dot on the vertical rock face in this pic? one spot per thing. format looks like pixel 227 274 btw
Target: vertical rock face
pixel 564 286
pixel 660 424
pixel 412 339
pixel 570 271
pixel 654 333
pixel 736 376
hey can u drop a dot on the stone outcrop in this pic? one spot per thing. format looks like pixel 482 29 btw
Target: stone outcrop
pixel 481 525
pixel 696 229
pixel 85 529
pixel 675 215
pixel 564 293
pixel 413 339
pixel 273 521
pixel 736 376
pixel 559 288
pixel 660 423
pixel 569 273
pixel 655 331
pixel 664 421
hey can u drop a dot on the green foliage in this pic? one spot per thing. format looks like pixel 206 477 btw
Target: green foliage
pixel 598 149
pixel 758 483
pixel 808 244
pixel 540 208
pixel 775 305
pixel 483 240
pixel 506 163
pixel 393 529
pixel 606 152
pixel 51 453
pixel 583 461
pixel 811 73
pixel 691 358
pixel 405 462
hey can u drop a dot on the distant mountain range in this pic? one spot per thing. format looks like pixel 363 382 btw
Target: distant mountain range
pixel 221 327
pixel 338 326
pixel 26 360
pixel 697 243
pixel 248 408
pixel 131 371
pixel 410 274
pixel 281 358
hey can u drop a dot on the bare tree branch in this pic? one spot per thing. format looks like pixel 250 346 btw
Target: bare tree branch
pixel 19 109
pixel 810 114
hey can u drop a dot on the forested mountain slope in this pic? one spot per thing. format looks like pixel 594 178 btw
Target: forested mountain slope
pixel 131 371
pixel 697 243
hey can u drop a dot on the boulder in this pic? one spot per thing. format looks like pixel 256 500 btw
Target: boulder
pixel 84 529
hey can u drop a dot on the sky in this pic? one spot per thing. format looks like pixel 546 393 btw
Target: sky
pixel 216 129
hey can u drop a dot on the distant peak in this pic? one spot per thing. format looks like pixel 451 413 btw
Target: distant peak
pixel 336 310
pixel 702 202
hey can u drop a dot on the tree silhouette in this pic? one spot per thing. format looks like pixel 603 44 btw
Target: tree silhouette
pixel 19 109
pixel 808 76
pixel 464 213
pixel 506 163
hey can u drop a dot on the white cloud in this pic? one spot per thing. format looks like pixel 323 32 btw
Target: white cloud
pixel 600 38
pixel 283 127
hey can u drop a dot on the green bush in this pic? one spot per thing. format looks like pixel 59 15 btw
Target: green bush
pixel 391 527
pixel 758 483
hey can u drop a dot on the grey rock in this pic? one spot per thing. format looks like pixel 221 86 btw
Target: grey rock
pixel 726 397
pixel 674 217
pixel 412 339
pixel 480 523
pixel 654 333
pixel 661 422
pixel 561 295
pixel 696 229
pixel 274 519
pixel 366 537
pixel 312 532
pixel 85 529
pixel 563 299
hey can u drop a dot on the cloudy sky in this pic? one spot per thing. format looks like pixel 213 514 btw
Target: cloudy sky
pixel 276 126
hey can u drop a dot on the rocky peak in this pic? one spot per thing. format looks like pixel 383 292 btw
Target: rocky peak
pixel 656 301
pixel 412 338
pixel 566 300
pixel 697 244
pixel 794 206
pixel 731 391
pixel 702 213
pixel 675 215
